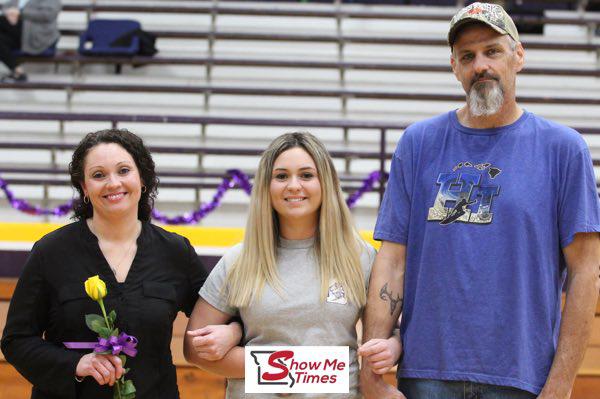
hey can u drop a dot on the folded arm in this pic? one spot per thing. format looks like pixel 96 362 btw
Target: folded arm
pixel 203 333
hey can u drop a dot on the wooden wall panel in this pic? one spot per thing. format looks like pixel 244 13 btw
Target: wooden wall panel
pixel 180 324
pixel 591 362
pixel 177 351
pixel 586 387
pixel 3 311
pixel 197 384
pixel 7 286
pixel 193 384
pixel 595 338
pixel 12 385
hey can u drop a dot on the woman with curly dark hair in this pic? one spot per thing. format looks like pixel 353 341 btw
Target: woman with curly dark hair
pixel 150 275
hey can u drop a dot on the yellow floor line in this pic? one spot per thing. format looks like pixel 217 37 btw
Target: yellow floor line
pixel 198 235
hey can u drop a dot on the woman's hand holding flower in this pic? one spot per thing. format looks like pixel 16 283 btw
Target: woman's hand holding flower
pixel 105 369
pixel 103 364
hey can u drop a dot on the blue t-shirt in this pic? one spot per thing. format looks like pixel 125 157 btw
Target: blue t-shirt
pixel 484 214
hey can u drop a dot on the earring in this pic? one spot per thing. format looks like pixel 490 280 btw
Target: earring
pixel 86 199
pixel 144 189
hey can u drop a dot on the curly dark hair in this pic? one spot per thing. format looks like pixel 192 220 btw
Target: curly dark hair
pixel 134 145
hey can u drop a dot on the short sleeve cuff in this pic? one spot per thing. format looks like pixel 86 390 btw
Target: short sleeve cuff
pixel 387 236
pixel 568 239
pixel 217 302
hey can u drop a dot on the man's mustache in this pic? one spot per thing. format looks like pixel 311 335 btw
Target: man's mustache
pixel 484 75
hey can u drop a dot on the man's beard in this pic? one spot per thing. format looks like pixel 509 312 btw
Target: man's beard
pixel 485 98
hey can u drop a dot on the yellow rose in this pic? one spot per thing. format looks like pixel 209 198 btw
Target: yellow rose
pixel 95 288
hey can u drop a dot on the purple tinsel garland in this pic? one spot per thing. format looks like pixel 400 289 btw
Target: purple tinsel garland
pixel 235 178
pixel 366 186
pixel 26 207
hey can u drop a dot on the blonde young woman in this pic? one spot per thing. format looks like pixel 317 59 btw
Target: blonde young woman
pixel 299 246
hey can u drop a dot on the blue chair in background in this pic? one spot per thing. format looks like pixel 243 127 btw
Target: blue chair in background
pixel 100 35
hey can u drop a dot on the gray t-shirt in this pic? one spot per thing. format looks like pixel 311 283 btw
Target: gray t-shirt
pixel 300 317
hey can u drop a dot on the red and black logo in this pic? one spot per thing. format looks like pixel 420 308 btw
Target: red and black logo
pixel 274 361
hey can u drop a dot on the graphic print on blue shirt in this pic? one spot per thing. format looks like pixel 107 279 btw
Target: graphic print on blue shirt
pixel 466 194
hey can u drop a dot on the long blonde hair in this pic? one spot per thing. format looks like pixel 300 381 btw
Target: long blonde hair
pixel 337 243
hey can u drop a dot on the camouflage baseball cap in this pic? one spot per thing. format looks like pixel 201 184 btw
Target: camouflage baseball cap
pixel 492 15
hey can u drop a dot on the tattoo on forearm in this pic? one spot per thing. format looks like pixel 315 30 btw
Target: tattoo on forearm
pixel 388 295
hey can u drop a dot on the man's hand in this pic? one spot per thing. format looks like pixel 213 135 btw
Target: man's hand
pixel 12 15
pixel 372 386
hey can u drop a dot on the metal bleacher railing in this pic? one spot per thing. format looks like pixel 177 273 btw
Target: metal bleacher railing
pixel 203 179
pixel 337 11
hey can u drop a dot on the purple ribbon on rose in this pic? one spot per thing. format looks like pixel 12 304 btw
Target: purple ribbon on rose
pixel 123 343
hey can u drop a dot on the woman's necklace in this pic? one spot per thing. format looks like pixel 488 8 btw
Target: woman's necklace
pixel 117 266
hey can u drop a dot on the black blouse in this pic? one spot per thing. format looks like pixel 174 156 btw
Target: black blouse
pixel 49 307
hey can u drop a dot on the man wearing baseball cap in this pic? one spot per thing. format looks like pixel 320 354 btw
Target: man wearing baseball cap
pixel 488 210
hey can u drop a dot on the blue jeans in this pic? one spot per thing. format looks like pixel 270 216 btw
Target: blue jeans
pixel 414 388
